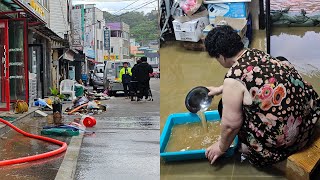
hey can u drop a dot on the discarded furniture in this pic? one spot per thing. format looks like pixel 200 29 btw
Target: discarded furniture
pixel 67 86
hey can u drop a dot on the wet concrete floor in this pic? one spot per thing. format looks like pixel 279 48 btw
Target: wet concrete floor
pixel 184 69
pixel 126 143
pixel 14 145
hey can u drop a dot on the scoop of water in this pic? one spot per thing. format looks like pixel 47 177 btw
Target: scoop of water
pixel 198 99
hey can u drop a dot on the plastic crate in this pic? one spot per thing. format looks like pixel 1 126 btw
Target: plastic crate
pixel 183 118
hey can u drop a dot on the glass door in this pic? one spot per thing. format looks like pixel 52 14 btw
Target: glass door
pixel 18 65
pixel 36 87
pixel 4 67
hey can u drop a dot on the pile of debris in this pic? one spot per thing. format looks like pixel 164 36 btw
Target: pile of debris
pixel 86 105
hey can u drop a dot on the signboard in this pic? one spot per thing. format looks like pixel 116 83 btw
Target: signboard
pixel 77 26
pixel 89 42
pixel 111 57
pixel 37 8
pixel 107 39
pixel 33 7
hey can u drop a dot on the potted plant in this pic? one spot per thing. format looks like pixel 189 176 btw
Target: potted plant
pixel 57 99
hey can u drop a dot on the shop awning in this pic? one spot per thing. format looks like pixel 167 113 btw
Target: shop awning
pixel 49 33
pixel 69 54
pixel 93 61
pixel 23 7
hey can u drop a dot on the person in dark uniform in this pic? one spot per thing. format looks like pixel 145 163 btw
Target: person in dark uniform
pixel 142 72
pixel 134 82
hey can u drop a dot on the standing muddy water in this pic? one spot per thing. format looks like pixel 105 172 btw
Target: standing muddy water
pixel 184 69
pixel 193 136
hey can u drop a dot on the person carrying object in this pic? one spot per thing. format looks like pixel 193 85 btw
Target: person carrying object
pixel 125 77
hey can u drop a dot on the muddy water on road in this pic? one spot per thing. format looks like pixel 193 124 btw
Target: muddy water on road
pixel 14 145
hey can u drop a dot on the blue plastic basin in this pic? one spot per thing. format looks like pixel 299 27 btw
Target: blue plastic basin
pixel 184 118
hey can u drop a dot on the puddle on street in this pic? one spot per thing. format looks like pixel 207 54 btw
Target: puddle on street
pixel 14 145
pixel 184 69
pixel 192 136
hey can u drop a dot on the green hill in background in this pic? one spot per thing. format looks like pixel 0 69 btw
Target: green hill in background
pixel 143 27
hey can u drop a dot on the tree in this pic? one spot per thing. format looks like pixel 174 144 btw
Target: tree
pixel 143 28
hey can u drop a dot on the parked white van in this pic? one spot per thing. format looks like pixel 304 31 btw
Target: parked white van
pixel 111 75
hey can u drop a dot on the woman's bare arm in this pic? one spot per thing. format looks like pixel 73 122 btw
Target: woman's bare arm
pixel 232 118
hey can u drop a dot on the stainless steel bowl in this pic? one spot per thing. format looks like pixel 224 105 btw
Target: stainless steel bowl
pixel 198 99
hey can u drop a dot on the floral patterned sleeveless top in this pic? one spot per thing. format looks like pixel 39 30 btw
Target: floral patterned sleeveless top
pixel 281 119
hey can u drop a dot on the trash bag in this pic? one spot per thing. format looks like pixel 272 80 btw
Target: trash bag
pixel 81 101
pixel 93 105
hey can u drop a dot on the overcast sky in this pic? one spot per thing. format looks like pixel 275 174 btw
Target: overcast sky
pixel 113 6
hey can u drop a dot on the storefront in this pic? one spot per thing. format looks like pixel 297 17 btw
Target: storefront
pixel 15 17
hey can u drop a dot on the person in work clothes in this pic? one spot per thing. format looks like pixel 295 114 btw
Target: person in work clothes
pixel 142 72
pixel 125 78
pixel 134 86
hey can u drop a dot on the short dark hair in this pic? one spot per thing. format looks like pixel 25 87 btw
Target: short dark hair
pixel 125 63
pixel 223 40
pixel 138 61
pixel 144 59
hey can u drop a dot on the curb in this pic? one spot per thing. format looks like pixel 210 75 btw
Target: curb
pixel 4 128
pixel 68 166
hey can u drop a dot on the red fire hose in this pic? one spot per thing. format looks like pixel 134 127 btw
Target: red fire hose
pixel 34 157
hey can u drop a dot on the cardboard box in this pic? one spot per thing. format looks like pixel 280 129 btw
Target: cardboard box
pixel 240 25
pixel 232 10
pixel 207 29
pixel 191 30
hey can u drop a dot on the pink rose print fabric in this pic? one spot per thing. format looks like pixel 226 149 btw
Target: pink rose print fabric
pixel 285 109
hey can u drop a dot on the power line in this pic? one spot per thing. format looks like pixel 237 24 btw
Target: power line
pixel 111 18
pixel 118 16
pixel 126 6
pixel 142 5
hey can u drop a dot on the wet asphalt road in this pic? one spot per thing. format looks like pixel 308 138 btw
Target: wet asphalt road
pixel 126 143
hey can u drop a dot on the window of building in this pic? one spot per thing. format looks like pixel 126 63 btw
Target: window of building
pixel 101 46
pixel 68 11
pixel 113 33
pixel 99 24
pixel 44 3
pixel 125 35
pixel 111 49
pixel 97 44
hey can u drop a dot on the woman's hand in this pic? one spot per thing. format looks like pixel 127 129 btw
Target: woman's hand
pixel 213 152
pixel 215 90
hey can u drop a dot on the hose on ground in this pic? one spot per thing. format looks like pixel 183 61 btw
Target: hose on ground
pixel 37 156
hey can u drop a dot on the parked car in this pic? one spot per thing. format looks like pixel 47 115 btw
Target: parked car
pixel 111 75
pixel 97 78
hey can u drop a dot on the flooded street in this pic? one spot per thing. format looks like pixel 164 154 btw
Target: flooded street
pixel 300 46
pixel 14 145
pixel 126 143
pixel 183 70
